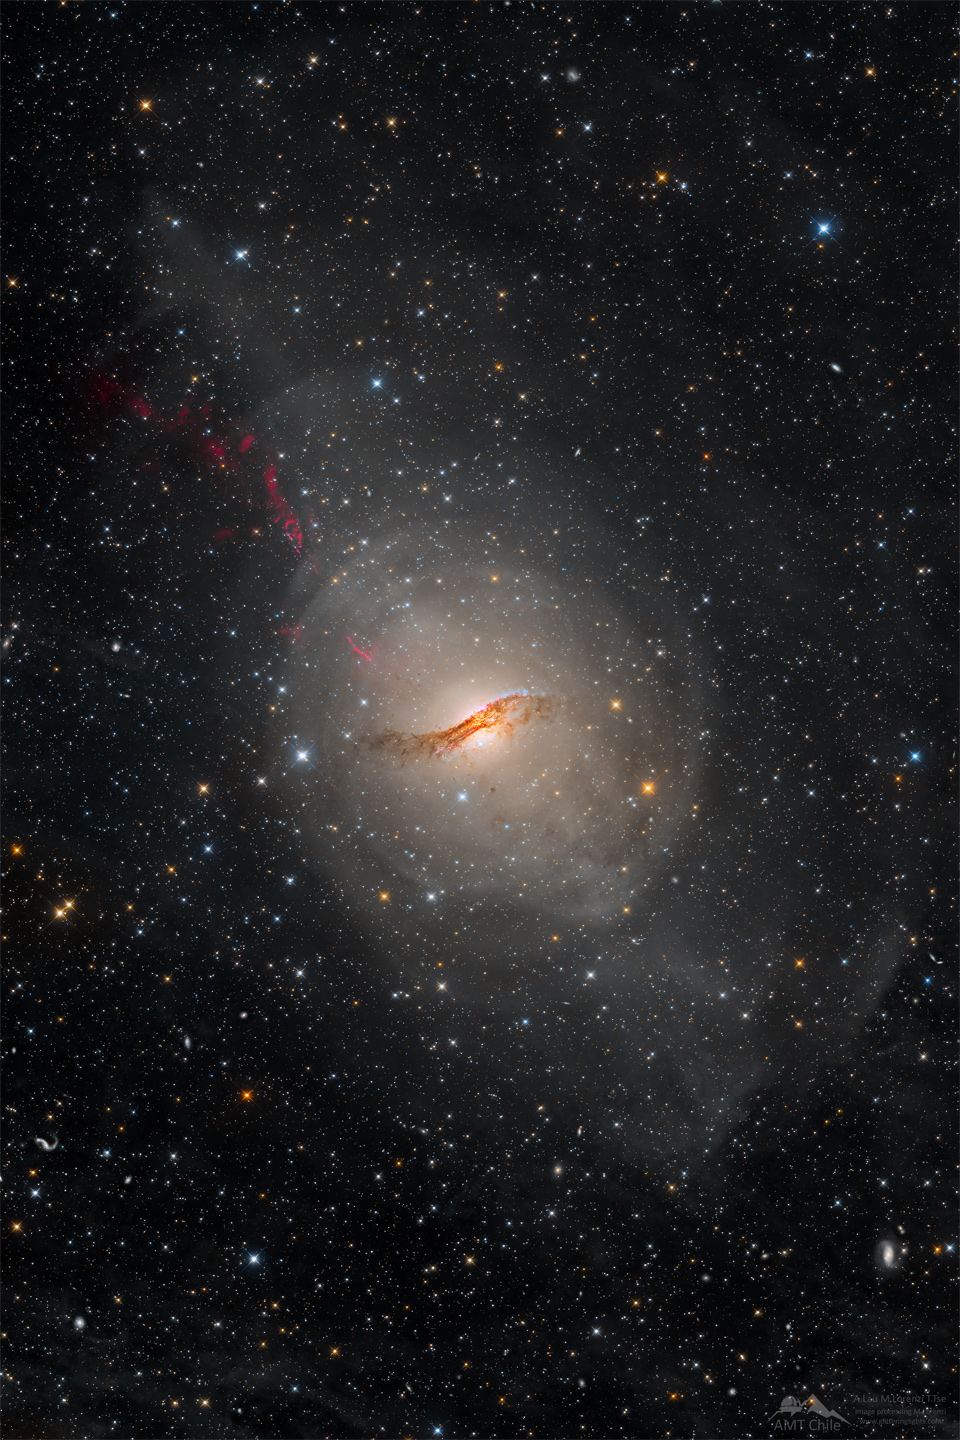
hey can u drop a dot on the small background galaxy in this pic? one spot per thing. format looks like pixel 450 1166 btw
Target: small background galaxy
pixel 590 1074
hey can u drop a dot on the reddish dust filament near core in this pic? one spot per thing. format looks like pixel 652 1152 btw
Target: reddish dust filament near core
pixel 500 718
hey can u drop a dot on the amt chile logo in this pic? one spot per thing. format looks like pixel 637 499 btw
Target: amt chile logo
pixel 794 1415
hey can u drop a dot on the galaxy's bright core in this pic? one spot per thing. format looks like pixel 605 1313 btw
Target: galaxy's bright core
pixel 495 720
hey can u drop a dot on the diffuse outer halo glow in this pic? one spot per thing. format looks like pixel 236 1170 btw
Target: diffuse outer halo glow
pixel 600 868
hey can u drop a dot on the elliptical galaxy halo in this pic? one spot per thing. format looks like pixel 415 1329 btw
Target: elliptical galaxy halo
pixel 678 1014
pixel 516 841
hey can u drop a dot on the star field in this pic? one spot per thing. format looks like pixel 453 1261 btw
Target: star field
pixel 371 1072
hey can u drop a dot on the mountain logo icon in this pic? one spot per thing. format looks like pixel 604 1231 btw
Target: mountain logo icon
pixel 789 1405
pixel 818 1408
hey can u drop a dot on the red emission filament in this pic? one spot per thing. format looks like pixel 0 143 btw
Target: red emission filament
pixel 356 649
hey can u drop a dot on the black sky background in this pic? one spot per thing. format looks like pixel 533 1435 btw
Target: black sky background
pixel 635 241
